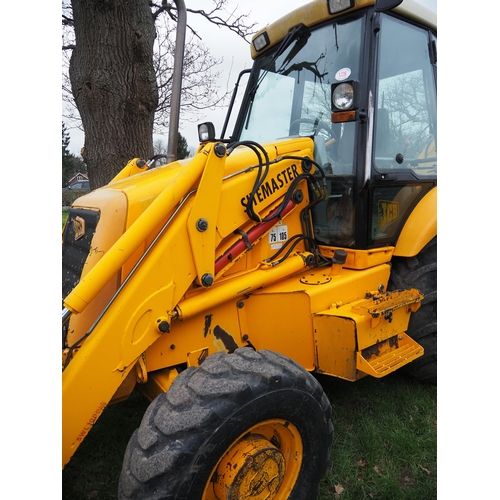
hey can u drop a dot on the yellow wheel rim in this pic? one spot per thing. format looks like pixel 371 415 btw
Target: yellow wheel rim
pixel 262 464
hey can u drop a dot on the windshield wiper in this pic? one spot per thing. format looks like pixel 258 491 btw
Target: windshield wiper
pixel 299 33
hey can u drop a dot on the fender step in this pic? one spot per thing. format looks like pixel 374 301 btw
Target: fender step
pixel 388 356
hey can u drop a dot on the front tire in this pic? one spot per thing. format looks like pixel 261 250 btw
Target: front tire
pixel 420 272
pixel 242 425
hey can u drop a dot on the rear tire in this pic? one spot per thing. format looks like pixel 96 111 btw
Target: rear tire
pixel 245 403
pixel 420 272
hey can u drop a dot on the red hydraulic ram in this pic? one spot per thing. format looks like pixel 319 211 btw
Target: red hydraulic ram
pixel 255 233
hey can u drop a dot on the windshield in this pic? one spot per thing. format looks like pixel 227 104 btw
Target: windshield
pixel 290 94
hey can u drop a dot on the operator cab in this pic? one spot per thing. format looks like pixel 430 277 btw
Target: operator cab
pixel 363 87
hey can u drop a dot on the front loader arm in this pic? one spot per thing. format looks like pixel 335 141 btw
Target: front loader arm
pixel 196 246
pixel 131 322
pixel 141 229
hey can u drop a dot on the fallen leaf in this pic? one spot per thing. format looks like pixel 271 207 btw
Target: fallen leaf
pixel 376 469
pixel 425 470
pixel 338 491
pixel 361 463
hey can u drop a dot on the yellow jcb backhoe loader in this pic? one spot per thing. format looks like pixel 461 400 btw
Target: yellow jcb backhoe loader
pixel 304 243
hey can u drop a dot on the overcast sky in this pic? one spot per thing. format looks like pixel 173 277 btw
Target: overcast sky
pixel 230 47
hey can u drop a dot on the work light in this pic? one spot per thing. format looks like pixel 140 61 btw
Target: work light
pixel 261 41
pixel 335 6
pixel 206 132
pixel 343 96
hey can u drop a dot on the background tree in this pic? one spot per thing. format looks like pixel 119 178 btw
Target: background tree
pixel 65 143
pixel 160 148
pixel 119 83
pixel 410 125
pixel 182 147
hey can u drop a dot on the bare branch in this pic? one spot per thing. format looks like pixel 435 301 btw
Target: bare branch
pixel 67 21
pixel 200 82
pixel 235 23
pixel 158 9
pixel 67 14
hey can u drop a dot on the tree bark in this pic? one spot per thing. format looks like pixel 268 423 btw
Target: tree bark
pixel 113 82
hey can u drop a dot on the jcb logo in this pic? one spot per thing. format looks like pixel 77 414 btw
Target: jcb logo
pixel 79 227
pixel 388 211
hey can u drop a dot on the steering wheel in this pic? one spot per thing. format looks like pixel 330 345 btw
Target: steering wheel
pixel 321 145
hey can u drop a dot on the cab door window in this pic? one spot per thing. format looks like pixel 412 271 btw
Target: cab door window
pixel 405 125
pixel 404 149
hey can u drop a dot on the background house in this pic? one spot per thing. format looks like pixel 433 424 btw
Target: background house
pixel 77 178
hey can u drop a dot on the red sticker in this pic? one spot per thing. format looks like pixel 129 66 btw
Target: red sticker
pixel 342 74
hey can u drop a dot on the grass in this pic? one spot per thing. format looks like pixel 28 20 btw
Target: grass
pixel 385 440
pixel 94 469
pixel 384 444
pixel 65 213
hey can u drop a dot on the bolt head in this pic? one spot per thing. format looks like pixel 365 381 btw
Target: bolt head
pixel 220 149
pixel 202 225
pixel 164 327
pixel 207 280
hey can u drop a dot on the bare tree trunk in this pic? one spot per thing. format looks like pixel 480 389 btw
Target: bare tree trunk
pixel 113 83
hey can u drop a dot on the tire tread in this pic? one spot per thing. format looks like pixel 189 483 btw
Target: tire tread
pixel 160 453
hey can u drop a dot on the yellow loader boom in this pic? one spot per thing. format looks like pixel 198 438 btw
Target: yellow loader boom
pixel 187 234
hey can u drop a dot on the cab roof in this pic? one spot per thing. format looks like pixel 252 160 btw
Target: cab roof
pixel 316 11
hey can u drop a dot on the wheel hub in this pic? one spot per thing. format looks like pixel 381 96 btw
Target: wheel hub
pixel 261 464
pixel 253 469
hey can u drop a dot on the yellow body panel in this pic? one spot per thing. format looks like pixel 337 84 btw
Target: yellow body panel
pixel 351 338
pixel 419 228
pixel 113 209
pixel 335 344
pixel 280 317
pixel 133 167
pixel 362 259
